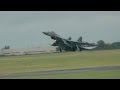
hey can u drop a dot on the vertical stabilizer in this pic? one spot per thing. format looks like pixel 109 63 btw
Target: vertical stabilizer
pixel 80 39
pixel 69 38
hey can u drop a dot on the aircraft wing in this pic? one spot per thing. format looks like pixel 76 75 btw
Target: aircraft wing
pixel 66 42
pixel 70 43
pixel 76 42
pixel 60 40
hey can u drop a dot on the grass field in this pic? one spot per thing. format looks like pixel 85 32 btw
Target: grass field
pixel 68 60
pixel 113 74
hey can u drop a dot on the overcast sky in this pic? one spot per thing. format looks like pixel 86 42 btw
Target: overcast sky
pixel 22 29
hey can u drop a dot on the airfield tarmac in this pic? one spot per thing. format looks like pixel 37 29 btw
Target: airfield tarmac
pixel 78 70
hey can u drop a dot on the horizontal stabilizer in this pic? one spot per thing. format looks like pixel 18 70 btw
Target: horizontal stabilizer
pixel 89 48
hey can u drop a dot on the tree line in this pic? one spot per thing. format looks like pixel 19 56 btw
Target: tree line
pixel 101 45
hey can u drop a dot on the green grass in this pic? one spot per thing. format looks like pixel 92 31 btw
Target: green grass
pixel 114 74
pixel 69 60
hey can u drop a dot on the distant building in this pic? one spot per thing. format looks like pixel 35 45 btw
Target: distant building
pixel 27 51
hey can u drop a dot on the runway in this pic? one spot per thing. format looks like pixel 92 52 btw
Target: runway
pixel 78 70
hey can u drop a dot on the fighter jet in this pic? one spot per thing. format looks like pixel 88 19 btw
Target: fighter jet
pixel 68 44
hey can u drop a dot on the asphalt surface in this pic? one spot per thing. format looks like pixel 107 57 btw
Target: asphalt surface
pixel 78 70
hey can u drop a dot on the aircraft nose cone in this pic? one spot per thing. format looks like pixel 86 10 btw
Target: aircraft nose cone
pixel 45 33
